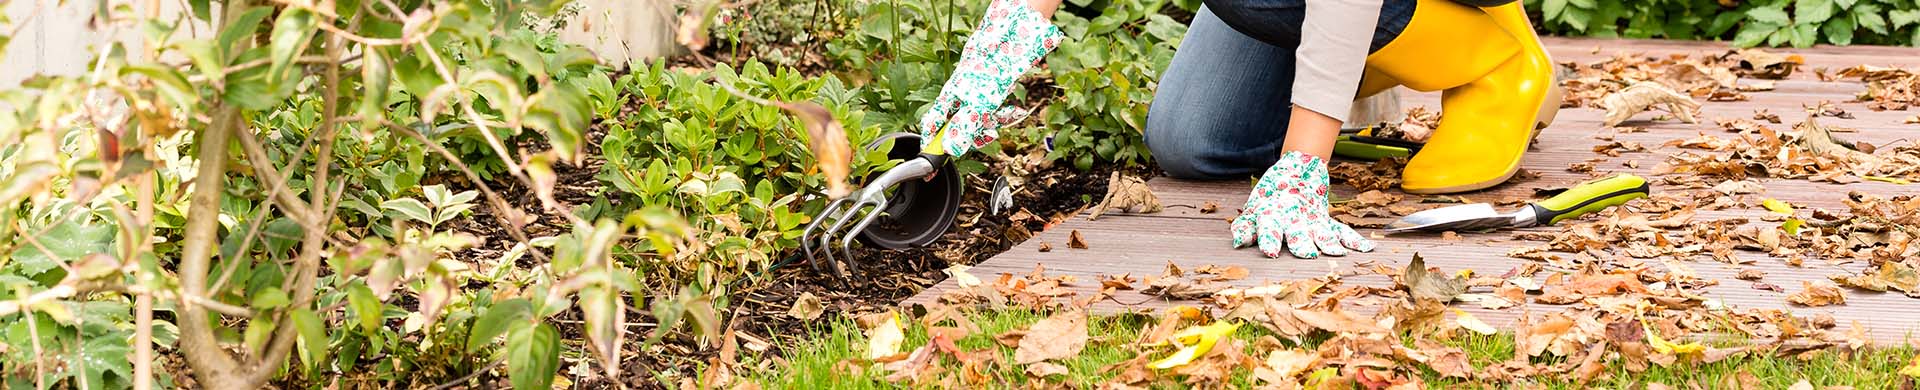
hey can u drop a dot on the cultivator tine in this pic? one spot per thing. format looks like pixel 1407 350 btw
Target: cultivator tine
pixel 833 221
pixel 846 243
pixel 814 232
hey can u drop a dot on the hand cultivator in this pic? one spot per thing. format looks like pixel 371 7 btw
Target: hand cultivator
pixel 900 208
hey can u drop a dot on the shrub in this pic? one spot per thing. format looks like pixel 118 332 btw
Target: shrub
pixel 1799 23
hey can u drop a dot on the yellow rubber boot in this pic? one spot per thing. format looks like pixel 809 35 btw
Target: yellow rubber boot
pixel 1494 87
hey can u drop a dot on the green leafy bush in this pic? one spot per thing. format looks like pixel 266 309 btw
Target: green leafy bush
pixel 1106 72
pixel 1799 23
pixel 740 171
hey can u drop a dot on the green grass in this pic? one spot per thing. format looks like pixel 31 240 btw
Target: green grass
pixel 810 363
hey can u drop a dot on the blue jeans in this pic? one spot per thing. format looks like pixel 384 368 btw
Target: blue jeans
pixel 1221 108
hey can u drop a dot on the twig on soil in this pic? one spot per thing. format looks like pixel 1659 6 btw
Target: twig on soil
pixel 472 375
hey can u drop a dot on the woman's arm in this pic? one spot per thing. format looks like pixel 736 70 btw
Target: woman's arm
pixel 1327 68
pixel 1310 132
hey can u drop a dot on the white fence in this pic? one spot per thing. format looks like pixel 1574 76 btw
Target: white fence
pixel 54 37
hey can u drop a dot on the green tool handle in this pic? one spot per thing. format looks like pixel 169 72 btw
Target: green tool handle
pixel 1590 197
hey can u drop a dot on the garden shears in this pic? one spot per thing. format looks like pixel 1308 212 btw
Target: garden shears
pixel 908 205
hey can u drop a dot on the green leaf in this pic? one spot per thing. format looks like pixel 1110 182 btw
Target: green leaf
pixel 533 357
pixel 290 35
pixel 1839 31
pixel 1769 15
pixel 1553 9
pixel 241 27
pixel 498 319
pixel 1805 35
pixel 313 336
pixel 376 77
pixel 272 298
pixel 1812 11
pixel 168 81
pixel 1753 34
pixel 408 208
pixel 1899 18
pixel 63 243
pixel 366 307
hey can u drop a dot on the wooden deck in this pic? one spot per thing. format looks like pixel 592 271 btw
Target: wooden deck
pixel 1142 245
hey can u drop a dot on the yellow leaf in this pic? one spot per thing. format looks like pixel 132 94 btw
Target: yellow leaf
pixel 1473 324
pixel 1893 180
pixel 1668 347
pixel 885 339
pixel 1913 368
pixel 1792 225
pixel 1777 206
pixel 1197 341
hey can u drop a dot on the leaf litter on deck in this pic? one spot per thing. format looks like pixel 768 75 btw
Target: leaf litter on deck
pixel 1608 290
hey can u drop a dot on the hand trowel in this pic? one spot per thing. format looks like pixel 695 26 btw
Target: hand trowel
pixel 1581 199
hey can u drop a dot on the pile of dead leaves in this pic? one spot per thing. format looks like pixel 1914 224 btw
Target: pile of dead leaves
pixel 1628 84
pixel 1575 325
pixel 1811 151
pixel 1380 175
pixel 1887 88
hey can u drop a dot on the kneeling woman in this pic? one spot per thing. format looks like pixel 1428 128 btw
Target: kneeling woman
pixel 1262 87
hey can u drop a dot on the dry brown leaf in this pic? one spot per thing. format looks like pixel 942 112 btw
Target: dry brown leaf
pixel 1750 274
pixel 1424 284
pixel 1818 294
pixel 1056 337
pixel 1043 370
pixel 1127 194
pixel 806 307
pixel 1639 97
pixel 1075 241
pixel 1762 64
pixel 1209 207
pixel 1046 247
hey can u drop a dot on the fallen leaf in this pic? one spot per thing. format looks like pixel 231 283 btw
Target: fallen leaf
pixel 884 339
pixel 965 280
pixel 1640 96
pixel 806 307
pixel 1423 284
pixel 1289 363
pixel 1075 241
pixel 1046 247
pixel 1818 294
pixel 1209 207
pixel 1801 385
pixel 1059 336
pixel 1045 369
pixel 1194 342
pixel 1468 322
pixel 1128 194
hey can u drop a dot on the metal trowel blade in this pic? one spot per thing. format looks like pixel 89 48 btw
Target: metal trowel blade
pixel 1462 217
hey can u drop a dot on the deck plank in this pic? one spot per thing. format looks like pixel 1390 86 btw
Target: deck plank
pixel 1142 245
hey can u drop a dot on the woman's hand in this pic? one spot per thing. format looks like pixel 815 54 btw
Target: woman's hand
pixel 967 115
pixel 1288 209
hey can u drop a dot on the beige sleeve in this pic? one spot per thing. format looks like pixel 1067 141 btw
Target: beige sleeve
pixel 1333 51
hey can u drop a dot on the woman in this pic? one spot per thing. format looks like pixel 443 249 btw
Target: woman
pixel 1262 86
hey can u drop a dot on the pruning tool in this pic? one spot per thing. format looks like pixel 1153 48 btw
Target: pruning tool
pixel 908 205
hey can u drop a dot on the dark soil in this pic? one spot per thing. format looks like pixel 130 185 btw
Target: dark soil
pixel 759 310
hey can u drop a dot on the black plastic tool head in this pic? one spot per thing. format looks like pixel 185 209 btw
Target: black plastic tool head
pixel 919 210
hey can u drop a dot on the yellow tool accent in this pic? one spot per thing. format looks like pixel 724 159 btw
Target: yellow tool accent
pixel 935 145
pixel 1494 84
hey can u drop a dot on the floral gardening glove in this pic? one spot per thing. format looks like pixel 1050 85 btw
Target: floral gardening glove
pixel 1288 207
pixel 967 114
